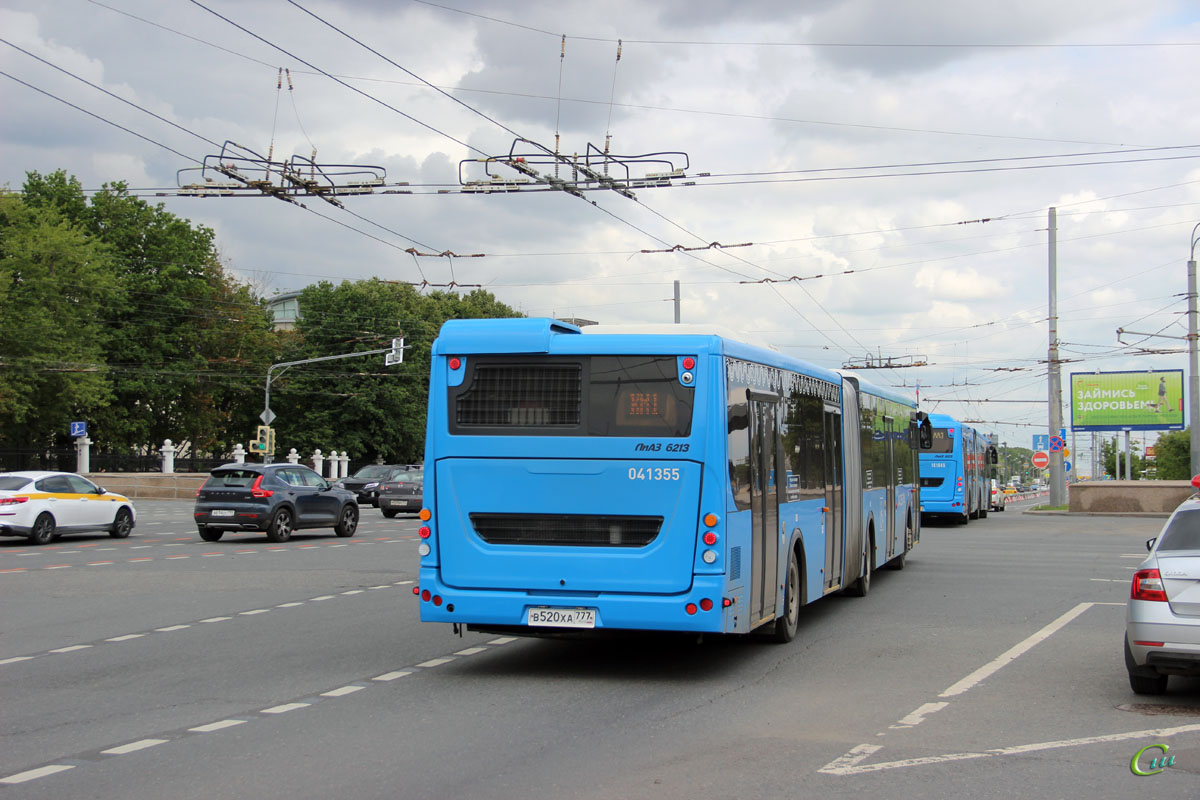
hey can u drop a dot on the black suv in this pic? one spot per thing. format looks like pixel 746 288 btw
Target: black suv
pixel 276 498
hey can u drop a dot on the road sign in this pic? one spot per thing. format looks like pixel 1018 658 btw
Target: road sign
pixel 267 416
pixel 1067 466
pixel 78 429
pixel 1057 443
pixel 1041 441
pixel 1041 459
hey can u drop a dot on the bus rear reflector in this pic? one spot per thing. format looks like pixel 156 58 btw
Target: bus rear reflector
pixel 706 604
pixel 425 595
pixel 690 608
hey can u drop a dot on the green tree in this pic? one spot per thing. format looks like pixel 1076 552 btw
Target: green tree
pixel 358 405
pixel 1109 448
pixel 1173 453
pixel 57 285
pixel 185 341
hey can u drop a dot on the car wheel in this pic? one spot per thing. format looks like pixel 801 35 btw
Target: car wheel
pixel 43 529
pixel 390 514
pixel 210 535
pixel 785 626
pixel 280 529
pixel 122 525
pixel 1143 680
pixel 347 521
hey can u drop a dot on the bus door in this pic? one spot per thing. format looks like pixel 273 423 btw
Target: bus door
pixel 764 506
pixel 891 532
pixel 834 535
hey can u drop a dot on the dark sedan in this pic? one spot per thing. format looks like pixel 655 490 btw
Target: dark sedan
pixel 275 498
pixel 365 482
pixel 402 492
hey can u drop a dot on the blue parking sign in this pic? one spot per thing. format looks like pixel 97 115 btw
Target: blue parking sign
pixel 78 429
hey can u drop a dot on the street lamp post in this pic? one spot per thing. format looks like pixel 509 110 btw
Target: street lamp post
pixel 1193 368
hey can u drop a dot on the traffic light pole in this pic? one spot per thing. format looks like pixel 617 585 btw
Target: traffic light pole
pixel 395 356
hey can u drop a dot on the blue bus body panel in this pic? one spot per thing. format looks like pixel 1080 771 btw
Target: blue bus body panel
pixel 567 486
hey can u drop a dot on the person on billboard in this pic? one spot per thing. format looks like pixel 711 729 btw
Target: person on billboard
pixel 1162 394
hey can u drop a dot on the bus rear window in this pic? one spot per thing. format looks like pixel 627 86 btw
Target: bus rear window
pixel 581 396
pixel 943 441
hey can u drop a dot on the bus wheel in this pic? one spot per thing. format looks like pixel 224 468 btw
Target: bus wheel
pixel 863 585
pixel 963 520
pixel 785 626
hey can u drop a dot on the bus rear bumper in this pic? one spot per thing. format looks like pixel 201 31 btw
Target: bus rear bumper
pixel 510 609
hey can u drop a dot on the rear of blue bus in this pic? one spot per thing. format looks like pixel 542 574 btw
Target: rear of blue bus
pixel 567 483
pixel 943 480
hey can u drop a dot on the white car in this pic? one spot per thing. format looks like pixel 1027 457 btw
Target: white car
pixel 42 505
pixel 997 496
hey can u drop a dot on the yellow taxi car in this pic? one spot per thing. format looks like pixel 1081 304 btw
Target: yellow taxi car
pixel 42 505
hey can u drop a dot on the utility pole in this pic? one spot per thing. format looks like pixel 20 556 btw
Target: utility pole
pixel 1193 368
pixel 1057 477
pixel 676 302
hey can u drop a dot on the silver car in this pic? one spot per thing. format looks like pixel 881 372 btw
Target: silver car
pixel 1162 620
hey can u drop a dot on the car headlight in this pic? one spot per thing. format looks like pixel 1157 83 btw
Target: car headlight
pixel 370 485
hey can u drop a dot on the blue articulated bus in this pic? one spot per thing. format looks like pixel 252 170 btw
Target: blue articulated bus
pixel 954 471
pixel 584 480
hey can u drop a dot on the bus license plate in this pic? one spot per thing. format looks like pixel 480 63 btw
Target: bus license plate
pixel 563 617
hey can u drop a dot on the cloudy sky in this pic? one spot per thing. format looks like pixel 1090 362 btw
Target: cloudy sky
pixel 891 165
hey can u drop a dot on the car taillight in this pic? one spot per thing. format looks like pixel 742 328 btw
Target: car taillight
pixel 256 489
pixel 1147 585
pixel 13 501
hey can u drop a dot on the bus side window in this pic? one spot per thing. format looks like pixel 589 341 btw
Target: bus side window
pixel 739 450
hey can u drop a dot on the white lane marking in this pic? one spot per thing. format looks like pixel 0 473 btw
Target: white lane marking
pixel 401 583
pixel 216 726
pixel 252 612
pixel 286 707
pixel 59 566
pixel 322 597
pixel 470 651
pixel 1109 580
pixel 436 662
pixel 1011 654
pixel 98 563
pixel 837 767
pixel 851 758
pixel 141 546
pixel 343 691
pixel 289 605
pixel 354 591
pixel 15 659
pixel 133 747
pixel 72 648
pixel 383 586
pixel 918 716
pixel 170 628
pixel 337 545
pixel 391 676
pixel 40 772
pixel 503 640
pixel 216 619
pixel 126 637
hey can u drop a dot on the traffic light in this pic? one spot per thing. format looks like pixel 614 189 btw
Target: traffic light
pixel 262 441
pixel 270 441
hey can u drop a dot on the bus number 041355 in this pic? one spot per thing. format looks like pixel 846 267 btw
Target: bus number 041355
pixel 654 473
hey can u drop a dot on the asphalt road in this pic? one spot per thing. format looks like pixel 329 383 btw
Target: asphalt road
pixel 164 667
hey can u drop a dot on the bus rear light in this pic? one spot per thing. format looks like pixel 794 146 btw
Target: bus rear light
pixel 455 363
pixel 689 363
pixel 709 556
pixel 710 538
pixel 711 520
pixel 690 608
pixel 417 590
pixel 726 602
pixel 1147 585
pixel 706 604
pixel 424 532
pixel 425 595
pixel 425 514
pixel 437 599
pixel 423 549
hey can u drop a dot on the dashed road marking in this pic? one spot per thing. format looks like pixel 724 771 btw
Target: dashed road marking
pixel 286 707
pixel 217 726
pixel 133 747
pixel 40 772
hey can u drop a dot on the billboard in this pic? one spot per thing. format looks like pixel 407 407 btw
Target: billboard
pixel 1118 401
